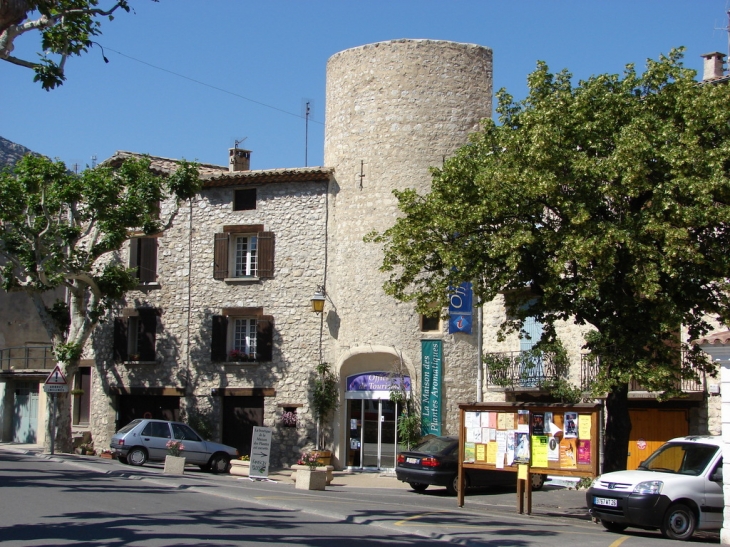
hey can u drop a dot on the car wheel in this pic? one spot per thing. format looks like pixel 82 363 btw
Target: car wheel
pixel 137 456
pixel 538 481
pixel 418 486
pixel 123 459
pixel 613 526
pixel 679 522
pixel 220 463
pixel 453 487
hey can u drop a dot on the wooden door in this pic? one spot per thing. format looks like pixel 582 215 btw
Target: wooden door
pixel 652 427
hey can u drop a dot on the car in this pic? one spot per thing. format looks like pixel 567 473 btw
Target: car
pixel 678 489
pixel 434 462
pixel 144 440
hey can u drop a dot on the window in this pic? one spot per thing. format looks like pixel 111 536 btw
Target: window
pixel 431 322
pixel 143 258
pixel 241 335
pixel 244 200
pixel 82 396
pixel 157 429
pixel 134 335
pixel 243 251
pixel 182 432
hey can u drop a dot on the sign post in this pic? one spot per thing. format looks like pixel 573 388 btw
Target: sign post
pixel 55 384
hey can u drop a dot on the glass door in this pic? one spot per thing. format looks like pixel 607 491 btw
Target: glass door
pixel 372 438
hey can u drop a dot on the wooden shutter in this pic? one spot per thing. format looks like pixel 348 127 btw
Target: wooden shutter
pixel 147 334
pixel 266 254
pixel 220 256
pixel 134 255
pixel 148 259
pixel 121 342
pixel 264 338
pixel 218 339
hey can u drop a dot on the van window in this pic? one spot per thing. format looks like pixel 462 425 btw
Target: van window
pixel 683 458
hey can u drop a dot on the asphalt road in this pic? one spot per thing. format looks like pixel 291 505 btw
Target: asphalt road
pixel 67 501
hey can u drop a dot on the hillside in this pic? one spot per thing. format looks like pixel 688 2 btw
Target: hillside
pixel 11 152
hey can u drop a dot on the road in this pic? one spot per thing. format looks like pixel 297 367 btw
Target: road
pixel 67 501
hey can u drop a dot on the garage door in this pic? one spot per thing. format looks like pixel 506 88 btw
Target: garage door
pixel 652 427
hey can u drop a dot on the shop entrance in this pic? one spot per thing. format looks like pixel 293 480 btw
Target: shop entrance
pixel 372 434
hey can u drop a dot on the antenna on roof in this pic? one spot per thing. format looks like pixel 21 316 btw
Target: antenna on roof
pixel 307 108
pixel 236 142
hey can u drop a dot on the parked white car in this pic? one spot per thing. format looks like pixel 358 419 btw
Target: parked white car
pixel 677 490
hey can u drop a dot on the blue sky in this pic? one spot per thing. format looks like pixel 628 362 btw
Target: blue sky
pixel 188 77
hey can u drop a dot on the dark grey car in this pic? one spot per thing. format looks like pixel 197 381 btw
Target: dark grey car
pixel 146 440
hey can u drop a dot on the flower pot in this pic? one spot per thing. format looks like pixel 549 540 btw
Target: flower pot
pixel 327 468
pixel 325 457
pixel 106 455
pixel 240 468
pixel 174 465
pixel 308 479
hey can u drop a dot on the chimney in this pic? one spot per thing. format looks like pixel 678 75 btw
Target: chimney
pixel 714 65
pixel 239 160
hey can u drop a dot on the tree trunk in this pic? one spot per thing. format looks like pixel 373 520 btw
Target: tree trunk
pixel 12 12
pixel 618 429
pixel 63 441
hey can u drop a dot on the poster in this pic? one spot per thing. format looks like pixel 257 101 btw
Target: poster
pixel 501 420
pixel 538 423
pixel 568 454
pixel 509 420
pixel 469 452
pixel 584 452
pixel 522 472
pixel 523 421
pixel 522 448
pixel 493 456
pixel 510 450
pixel 584 426
pixel 481 455
pixel 554 433
pixel 471 419
pixel 474 435
pixel 539 451
pixel 485 418
pixel 570 428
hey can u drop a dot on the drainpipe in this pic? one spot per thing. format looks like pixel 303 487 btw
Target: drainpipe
pixel 480 341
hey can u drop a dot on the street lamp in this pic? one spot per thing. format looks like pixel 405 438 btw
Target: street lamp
pixel 318 300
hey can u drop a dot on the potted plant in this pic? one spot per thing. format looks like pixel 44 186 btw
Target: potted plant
pixel 241 466
pixel 174 463
pixel 324 401
pixel 310 476
pixel 289 418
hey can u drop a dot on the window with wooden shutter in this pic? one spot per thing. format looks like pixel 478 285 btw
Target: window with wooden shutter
pixel 121 326
pixel 135 335
pixel 264 338
pixel 218 346
pixel 243 251
pixel 143 258
pixel 147 324
pixel 266 254
pixel 242 339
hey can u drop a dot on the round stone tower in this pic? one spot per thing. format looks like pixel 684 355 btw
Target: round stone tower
pixel 394 109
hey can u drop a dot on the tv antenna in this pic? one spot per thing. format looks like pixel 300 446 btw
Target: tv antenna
pixel 237 142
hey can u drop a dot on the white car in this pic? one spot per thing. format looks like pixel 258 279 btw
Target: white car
pixel 678 490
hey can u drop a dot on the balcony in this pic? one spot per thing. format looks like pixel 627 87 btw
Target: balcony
pixel 589 366
pixel 531 370
pixel 27 358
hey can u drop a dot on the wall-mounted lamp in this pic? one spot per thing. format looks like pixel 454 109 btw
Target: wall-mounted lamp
pixel 318 300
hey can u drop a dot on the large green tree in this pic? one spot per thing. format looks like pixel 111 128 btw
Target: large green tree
pixel 605 203
pixel 66 28
pixel 61 231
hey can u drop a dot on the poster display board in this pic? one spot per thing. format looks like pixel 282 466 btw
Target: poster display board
pixel 551 439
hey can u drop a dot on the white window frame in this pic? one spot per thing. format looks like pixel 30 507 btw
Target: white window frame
pixel 242 333
pixel 243 261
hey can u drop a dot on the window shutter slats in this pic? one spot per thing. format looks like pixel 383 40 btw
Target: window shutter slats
pixel 220 256
pixel 266 254
pixel 148 260
pixel 147 335
pixel 218 338
pixel 120 338
pixel 134 255
pixel 264 338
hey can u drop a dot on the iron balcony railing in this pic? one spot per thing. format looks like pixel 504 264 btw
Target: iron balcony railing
pixel 590 364
pixel 27 358
pixel 523 369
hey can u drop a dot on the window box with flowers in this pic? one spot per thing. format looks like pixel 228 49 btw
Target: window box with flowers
pixel 239 356
pixel 289 417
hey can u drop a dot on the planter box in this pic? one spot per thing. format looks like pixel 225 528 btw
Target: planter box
pixel 240 468
pixel 311 480
pixel 325 457
pixel 174 465
pixel 328 468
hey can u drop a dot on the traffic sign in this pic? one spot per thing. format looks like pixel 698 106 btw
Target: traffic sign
pixel 55 388
pixel 56 377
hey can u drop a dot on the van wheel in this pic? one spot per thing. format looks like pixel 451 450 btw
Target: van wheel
pixel 679 522
pixel 418 486
pixel 538 480
pixel 613 526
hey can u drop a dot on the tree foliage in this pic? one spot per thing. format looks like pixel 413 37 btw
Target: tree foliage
pixel 66 29
pixel 606 200
pixel 61 230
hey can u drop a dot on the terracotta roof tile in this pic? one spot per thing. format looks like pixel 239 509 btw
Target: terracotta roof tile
pixel 715 339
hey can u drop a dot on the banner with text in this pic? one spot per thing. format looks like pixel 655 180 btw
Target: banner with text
pixel 460 308
pixel 431 369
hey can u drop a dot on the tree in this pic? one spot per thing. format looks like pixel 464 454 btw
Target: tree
pixel 66 28
pixel 61 230
pixel 605 203
pixel 324 399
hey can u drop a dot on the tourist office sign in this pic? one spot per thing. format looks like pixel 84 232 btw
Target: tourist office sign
pixel 431 370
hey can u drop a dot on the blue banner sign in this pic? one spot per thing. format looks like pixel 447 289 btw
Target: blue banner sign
pixel 376 381
pixel 431 370
pixel 460 308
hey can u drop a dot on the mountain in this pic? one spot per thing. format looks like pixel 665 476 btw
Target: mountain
pixel 11 152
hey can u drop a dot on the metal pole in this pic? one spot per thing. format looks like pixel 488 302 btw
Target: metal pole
pixel 53 423
pixel 480 364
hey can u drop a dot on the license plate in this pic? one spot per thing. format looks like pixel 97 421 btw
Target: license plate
pixel 412 460
pixel 606 502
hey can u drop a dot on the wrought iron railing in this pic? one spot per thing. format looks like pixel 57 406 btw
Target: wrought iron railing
pixel 590 364
pixel 27 358
pixel 523 369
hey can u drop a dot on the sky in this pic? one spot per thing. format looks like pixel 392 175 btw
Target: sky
pixel 188 78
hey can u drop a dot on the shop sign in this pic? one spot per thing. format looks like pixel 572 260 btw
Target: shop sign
pixel 376 381
pixel 260 452
pixel 460 309
pixel 431 370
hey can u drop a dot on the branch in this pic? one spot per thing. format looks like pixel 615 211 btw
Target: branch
pixel 86 278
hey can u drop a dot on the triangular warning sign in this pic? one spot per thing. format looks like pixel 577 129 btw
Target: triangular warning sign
pixel 56 377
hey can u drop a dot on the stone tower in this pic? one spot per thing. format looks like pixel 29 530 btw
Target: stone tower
pixel 394 109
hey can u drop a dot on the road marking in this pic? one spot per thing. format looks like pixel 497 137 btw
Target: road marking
pixel 619 541
pixel 480 526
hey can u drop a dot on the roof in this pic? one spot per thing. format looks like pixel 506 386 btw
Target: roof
pixel 714 339
pixel 217 176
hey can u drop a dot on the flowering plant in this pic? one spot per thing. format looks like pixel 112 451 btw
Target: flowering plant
pixel 289 418
pixel 245 458
pixel 236 355
pixel 174 447
pixel 310 459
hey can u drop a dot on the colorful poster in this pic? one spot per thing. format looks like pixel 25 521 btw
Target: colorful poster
pixel 493 456
pixel 510 449
pixel 584 426
pixel 431 360
pixel 554 430
pixel 584 452
pixel 538 423
pixel 539 451
pixel 523 421
pixel 481 453
pixel 568 454
pixel 469 452
pixel 570 428
pixel 522 448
